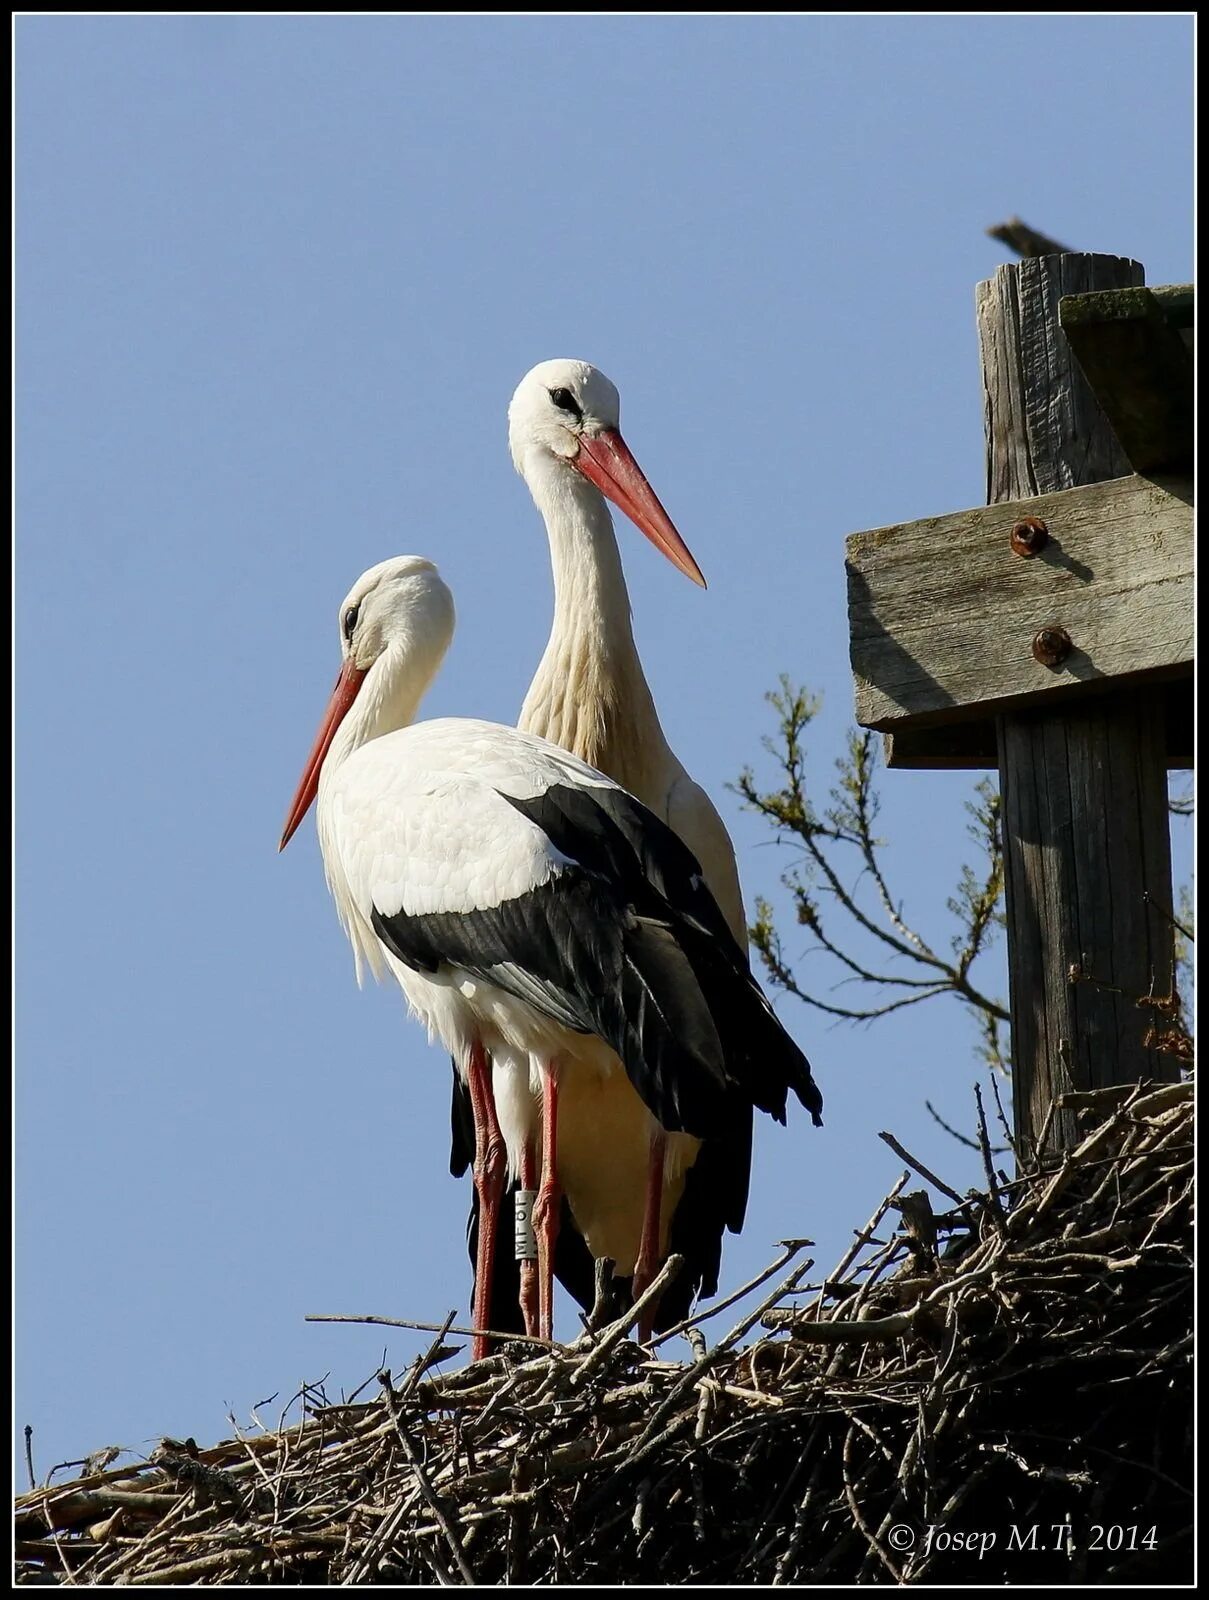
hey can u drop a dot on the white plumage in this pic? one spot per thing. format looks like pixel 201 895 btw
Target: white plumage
pixel 416 822
pixel 529 907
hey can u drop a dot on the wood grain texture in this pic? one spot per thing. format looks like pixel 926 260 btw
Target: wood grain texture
pixel 1044 428
pixel 942 612
pixel 1086 830
pixel 1086 839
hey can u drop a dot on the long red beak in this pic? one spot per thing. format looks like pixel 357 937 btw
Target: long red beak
pixel 343 695
pixel 605 459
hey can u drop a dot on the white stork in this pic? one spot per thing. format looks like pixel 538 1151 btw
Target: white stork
pixel 530 910
pixel 591 696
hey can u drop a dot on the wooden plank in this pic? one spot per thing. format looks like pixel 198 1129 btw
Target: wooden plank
pixel 943 613
pixel 1087 851
pixel 973 746
pixel 1128 343
pixel 952 747
pixel 1040 449
pixel 1178 302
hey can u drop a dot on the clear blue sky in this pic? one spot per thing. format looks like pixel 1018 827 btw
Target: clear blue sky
pixel 277 280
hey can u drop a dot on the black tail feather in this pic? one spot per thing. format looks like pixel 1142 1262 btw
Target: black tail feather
pixel 700 1036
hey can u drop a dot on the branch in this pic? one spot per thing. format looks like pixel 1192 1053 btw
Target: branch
pixel 849 823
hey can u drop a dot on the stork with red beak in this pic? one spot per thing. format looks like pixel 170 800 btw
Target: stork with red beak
pixel 535 913
pixel 591 696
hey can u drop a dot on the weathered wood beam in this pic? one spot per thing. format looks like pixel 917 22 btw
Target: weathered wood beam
pixel 972 746
pixel 1129 345
pixel 944 613
pixel 1178 301
pixel 1087 852
pixel 1039 448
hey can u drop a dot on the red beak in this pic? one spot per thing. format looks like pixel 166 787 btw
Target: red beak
pixel 343 695
pixel 605 460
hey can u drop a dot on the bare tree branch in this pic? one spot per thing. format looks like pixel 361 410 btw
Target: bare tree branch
pixel 841 892
pixel 837 852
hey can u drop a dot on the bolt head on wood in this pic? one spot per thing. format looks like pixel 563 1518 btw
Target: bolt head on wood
pixel 1051 646
pixel 1029 536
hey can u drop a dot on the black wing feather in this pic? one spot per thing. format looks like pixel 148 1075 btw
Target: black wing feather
pixel 627 944
pixel 609 832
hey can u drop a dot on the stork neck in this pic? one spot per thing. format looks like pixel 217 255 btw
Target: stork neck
pixel 590 694
pixel 388 700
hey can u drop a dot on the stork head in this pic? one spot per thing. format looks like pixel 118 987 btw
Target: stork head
pixel 395 626
pixel 565 418
pixel 402 605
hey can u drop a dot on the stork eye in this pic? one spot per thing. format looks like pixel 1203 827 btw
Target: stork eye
pixel 350 622
pixel 566 401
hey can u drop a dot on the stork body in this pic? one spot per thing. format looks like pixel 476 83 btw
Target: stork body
pixel 529 908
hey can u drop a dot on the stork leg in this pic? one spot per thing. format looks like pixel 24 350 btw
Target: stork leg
pixel 490 1168
pixel 648 1263
pixel 529 1268
pixel 547 1205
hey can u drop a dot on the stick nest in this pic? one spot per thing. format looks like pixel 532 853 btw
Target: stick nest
pixel 1019 1363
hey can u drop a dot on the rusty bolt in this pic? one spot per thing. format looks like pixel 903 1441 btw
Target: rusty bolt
pixel 1030 536
pixel 1051 647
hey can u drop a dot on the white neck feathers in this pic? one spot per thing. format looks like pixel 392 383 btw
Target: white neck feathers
pixel 388 700
pixel 590 694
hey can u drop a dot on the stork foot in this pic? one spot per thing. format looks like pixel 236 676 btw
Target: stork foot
pixel 526 1242
pixel 546 1218
pixel 547 1207
pixel 530 1309
pixel 644 1276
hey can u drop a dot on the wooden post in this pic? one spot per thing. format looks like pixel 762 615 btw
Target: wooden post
pixel 1086 841
pixel 1050 633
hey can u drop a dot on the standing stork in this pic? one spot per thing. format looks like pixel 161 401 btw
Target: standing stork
pixel 531 911
pixel 590 695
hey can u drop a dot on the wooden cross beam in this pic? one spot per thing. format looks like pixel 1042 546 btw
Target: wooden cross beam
pixel 1134 348
pixel 1049 634
pixel 945 613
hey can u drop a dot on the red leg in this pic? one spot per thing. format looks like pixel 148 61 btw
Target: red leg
pixel 546 1206
pixel 529 1289
pixel 490 1166
pixel 648 1262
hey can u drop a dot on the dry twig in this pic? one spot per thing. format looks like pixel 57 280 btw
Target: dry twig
pixel 1035 1371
